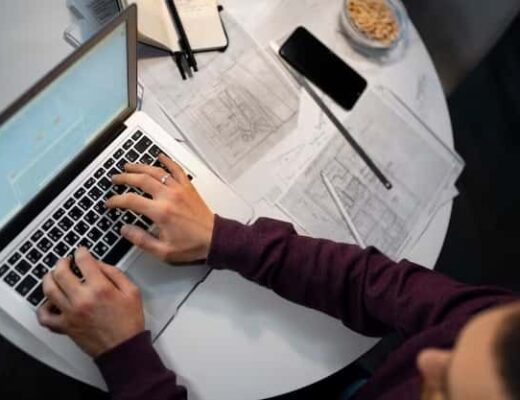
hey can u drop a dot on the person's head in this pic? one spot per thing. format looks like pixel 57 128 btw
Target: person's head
pixel 483 365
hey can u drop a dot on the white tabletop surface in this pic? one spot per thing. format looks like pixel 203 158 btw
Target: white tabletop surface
pixel 233 339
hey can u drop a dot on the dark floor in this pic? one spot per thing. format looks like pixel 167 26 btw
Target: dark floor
pixel 483 242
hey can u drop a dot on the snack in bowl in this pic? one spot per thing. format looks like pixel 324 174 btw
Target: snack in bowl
pixel 375 19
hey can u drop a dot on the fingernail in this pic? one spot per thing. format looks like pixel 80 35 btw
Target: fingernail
pixel 126 230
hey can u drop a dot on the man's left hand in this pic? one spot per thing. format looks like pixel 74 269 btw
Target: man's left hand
pixel 99 313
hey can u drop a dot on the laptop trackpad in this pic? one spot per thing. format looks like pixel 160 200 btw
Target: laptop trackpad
pixel 163 287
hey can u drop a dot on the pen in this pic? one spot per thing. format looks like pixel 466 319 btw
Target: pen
pixel 344 132
pixel 342 210
pixel 183 38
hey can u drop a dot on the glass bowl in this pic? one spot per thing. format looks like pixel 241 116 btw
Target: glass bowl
pixel 367 45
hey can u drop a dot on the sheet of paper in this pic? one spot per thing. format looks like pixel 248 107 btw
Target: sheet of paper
pixel 235 110
pixel 421 169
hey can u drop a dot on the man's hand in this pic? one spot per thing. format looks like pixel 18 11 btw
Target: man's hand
pixel 99 313
pixel 184 221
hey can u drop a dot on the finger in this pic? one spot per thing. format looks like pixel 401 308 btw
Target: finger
pixel 142 239
pixel 134 202
pixel 88 266
pixel 118 278
pixel 175 169
pixel 155 172
pixel 142 181
pixel 49 319
pixel 65 279
pixel 54 294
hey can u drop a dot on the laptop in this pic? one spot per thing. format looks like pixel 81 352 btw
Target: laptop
pixel 59 145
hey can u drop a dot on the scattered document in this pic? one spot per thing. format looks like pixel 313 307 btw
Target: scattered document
pixel 236 109
pixel 422 170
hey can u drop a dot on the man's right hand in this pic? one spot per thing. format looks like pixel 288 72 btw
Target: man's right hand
pixel 184 220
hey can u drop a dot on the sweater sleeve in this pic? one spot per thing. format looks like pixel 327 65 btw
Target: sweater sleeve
pixel 134 371
pixel 370 293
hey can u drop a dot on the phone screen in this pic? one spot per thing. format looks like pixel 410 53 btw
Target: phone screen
pixel 321 66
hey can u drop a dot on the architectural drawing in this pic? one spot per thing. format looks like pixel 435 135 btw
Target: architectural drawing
pixel 235 109
pixel 421 170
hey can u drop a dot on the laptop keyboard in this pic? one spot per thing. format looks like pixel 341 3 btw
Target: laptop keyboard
pixel 81 220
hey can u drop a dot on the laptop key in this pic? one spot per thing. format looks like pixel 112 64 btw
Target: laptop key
pixel 104 224
pixel 121 165
pixel 34 256
pixel 22 267
pixel 141 225
pixel 100 249
pixel 12 278
pixel 71 238
pixel 117 227
pixel 81 227
pixel 26 285
pixel 118 154
pixel 66 223
pixel 86 243
pixel 14 258
pixel 58 214
pixel 119 189
pixel 39 271
pixel 104 183
pixel 25 247
pixel 95 193
pixel 91 217
pixel 89 183
pixel 132 156
pixel 143 144
pixel 146 159
pixel 48 225
pixel 137 135
pixel 36 235
pixel 94 234
pixel 117 252
pixel 50 260
pixel 108 163
pixel 69 203
pixel 80 192
pixel 114 214
pixel 155 151
pixel 85 203
pixel 55 234
pixel 99 173
pixel 100 207
pixel 36 296
pixel 61 249
pixel 113 172
pixel 110 238
pixel 128 217
pixel 76 213
pixel 128 144
pixel 44 245
pixel 3 269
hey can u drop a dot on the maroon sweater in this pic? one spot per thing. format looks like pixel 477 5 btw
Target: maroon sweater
pixel 368 292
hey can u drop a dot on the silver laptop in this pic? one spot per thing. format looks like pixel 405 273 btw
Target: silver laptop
pixel 59 145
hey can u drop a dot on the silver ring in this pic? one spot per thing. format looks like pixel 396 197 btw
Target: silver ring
pixel 165 178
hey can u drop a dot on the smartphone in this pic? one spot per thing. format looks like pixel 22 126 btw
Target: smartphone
pixel 316 62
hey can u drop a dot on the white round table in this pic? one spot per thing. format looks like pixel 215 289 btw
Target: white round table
pixel 233 339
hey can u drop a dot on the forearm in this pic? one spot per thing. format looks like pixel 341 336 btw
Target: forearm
pixel 366 290
pixel 134 371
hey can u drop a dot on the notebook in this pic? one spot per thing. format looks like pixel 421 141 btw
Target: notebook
pixel 200 18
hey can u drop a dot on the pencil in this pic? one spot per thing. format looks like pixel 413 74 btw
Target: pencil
pixel 183 38
pixel 342 210
pixel 344 132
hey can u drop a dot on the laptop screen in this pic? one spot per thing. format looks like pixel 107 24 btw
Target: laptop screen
pixel 39 140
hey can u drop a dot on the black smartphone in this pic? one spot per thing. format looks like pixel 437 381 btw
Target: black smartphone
pixel 315 61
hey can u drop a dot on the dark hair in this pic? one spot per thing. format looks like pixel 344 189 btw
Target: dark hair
pixel 507 347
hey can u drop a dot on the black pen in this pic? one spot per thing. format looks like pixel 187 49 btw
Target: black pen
pixel 183 38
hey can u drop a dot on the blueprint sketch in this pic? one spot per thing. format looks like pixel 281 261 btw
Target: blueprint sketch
pixel 235 109
pixel 420 168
